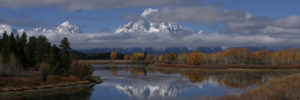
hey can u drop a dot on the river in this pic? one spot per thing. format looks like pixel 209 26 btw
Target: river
pixel 140 82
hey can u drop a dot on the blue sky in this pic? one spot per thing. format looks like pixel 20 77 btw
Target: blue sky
pixel 262 23
pixel 108 19
pixel 270 8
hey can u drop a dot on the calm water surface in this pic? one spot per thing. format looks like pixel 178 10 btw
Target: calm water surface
pixel 141 82
pixel 126 82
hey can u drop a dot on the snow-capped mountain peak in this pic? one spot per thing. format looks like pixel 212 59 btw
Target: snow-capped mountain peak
pixel 63 28
pixel 7 28
pixel 147 26
pixel 21 30
pixel 149 11
pixel 66 23
pixel 67 28
pixel 40 30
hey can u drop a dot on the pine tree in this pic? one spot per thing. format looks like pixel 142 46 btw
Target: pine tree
pixel 145 55
pixel 54 60
pixel 41 49
pixel 29 52
pixel 11 48
pixel 17 45
pixel 5 53
pixel 11 43
pixel 22 42
pixel 65 54
pixel 1 45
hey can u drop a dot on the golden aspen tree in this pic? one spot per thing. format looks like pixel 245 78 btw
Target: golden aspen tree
pixel 126 57
pixel 276 58
pixel 220 57
pixel 182 58
pixel 196 58
pixel 113 55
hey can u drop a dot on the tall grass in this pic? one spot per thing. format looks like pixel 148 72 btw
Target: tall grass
pixel 287 88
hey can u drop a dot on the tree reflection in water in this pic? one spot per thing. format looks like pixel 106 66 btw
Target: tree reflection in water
pixel 141 82
pixel 113 70
pixel 231 79
pixel 234 80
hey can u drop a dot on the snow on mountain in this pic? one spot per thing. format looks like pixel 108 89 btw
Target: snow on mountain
pixel 200 32
pixel 7 28
pixel 40 30
pixel 145 25
pixel 21 30
pixel 139 88
pixel 67 28
pixel 149 11
pixel 64 28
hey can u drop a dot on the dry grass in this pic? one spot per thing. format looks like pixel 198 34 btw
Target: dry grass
pixel 227 66
pixel 32 79
pixel 287 88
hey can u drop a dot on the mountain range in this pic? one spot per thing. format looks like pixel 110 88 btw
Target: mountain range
pixel 7 28
pixel 143 24
pixel 63 28
pixel 172 49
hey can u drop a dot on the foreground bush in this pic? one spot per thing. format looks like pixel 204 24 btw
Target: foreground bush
pixel 81 69
pixel 44 69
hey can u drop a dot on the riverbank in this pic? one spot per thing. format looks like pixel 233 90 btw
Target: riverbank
pixel 286 88
pixel 111 62
pixel 32 82
pixel 50 92
pixel 227 66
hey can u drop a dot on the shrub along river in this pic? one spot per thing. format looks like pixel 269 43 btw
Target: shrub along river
pixel 125 81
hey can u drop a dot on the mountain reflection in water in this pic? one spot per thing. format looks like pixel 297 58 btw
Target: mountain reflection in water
pixel 141 82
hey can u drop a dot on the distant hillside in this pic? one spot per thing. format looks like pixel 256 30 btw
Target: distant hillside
pixel 170 49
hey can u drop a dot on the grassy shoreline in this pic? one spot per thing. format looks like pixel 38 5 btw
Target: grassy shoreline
pixel 31 83
pixel 227 66
pixel 285 88
pixel 206 66
pixel 232 70
pixel 39 93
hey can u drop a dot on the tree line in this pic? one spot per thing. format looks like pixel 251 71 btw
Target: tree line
pixel 230 56
pixel 99 56
pixel 28 53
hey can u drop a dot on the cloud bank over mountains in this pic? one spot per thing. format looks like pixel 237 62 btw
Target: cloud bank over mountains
pixel 93 4
pixel 160 28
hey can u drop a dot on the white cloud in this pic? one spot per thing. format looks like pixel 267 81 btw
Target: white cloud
pixel 199 15
pixel 107 40
pixel 93 4
pixel 289 22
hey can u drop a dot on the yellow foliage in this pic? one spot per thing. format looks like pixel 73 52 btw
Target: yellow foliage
pixel 172 56
pixel 113 55
pixel 126 57
pixel 183 58
pixel 196 58
pixel 137 56
pixel 262 57
pixel 162 58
